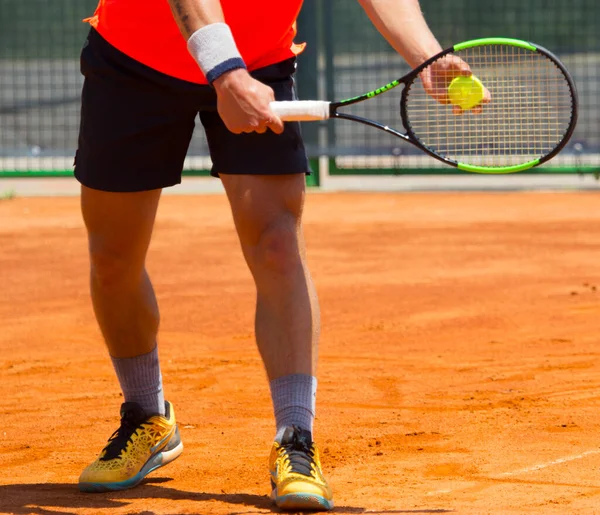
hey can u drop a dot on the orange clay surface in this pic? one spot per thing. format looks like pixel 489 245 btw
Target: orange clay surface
pixel 459 373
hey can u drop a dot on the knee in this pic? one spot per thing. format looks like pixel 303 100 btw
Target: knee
pixel 112 269
pixel 277 249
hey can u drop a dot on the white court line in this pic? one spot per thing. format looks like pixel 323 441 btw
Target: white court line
pixel 525 470
pixel 549 464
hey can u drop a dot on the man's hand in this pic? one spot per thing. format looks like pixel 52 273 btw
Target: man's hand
pixel 243 103
pixel 437 77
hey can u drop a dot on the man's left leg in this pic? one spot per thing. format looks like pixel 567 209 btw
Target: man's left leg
pixel 267 211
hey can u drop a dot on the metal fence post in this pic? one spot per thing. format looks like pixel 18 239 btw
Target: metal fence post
pixel 307 80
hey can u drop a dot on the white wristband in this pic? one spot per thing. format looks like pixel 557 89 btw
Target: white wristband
pixel 215 51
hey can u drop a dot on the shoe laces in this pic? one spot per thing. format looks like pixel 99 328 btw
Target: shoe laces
pixel 117 443
pixel 299 449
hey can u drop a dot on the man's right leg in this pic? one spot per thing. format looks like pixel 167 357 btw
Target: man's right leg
pixel 119 227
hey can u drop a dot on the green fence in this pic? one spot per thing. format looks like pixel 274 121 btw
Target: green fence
pixel 40 84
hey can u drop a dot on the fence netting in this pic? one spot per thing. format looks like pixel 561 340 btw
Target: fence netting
pixel 40 83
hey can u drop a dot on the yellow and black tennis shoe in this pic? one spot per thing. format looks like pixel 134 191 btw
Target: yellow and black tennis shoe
pixel 141 444
pixel 296 477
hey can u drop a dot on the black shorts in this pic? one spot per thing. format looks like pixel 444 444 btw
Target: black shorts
pixel 136 125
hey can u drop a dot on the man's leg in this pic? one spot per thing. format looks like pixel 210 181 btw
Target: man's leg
pixel 119 229
pixel 267 211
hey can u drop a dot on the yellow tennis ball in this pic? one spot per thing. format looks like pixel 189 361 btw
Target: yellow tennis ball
pixel 466 92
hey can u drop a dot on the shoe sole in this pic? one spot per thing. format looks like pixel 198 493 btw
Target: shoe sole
pixel 158 460
pixel 300 501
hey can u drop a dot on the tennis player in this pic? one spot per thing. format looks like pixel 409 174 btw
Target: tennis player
pixel 150 67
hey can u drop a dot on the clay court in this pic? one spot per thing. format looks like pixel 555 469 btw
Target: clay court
pixel 460 356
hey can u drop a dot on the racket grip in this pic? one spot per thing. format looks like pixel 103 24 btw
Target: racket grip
pixel 301 110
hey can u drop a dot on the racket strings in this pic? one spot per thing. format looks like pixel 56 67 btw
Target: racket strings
pixel 529 113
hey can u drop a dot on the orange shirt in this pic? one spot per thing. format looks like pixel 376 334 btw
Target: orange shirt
pixel 146 31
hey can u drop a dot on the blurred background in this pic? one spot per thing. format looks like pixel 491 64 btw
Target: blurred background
pixel 40 83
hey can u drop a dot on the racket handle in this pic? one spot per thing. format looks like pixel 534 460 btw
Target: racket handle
pixel 301 110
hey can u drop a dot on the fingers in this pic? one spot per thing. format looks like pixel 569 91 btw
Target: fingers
pixel 270 119
pixel 487 97
pixel 460 67
pixel 426 79
pixel 478 109
pixel 272 122
pixel 453 66
pixel 464 70
pixel 256 126
pixel 275 124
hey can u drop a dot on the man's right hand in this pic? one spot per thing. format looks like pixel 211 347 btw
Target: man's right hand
pixel 243 103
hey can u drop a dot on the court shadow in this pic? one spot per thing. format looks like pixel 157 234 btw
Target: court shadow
pixel 66 499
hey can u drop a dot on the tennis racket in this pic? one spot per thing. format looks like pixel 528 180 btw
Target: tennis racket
pixel 515 109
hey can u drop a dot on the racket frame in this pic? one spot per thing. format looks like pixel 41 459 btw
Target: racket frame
pixel 407 81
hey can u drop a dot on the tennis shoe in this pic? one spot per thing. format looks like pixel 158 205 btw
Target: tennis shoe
pixel 296 476
pixel 142 444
